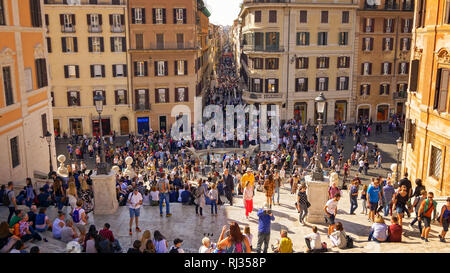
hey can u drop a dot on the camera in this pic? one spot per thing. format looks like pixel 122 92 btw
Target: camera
pixel 267 212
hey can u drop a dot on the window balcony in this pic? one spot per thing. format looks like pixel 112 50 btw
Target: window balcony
pixel 117 29
pixel 261 48
pixel 95 29
pixel 400 95
pixel 68 29
pixel 142 107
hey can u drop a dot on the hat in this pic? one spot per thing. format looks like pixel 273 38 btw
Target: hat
pixel 249 169
pixel 177 241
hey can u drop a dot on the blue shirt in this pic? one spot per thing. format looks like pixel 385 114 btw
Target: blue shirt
pixel 185 196
pixel 373 193
pixel 353 189
pixel 264 221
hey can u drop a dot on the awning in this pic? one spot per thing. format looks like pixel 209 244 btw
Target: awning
pixel 206 12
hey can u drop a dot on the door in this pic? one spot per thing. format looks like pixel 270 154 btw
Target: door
pixel 57 127
pixel 76 126
pixel 363 113
pixel 106 127
pixel 399 109
pixel 163 123
pixel 124 130
pixel 143 125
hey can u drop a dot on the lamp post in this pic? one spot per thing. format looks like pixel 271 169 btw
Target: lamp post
pixel 318 172
pixel 399 148
pixel 48 138
pixel 101 168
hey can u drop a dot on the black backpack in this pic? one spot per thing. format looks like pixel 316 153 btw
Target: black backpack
pixel 349 242
pixel 6 201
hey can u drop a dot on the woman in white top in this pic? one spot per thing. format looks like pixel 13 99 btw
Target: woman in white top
pixel 248 199
pixel 58 225
pixel 379 230
pixel 154 194
pixel 72 195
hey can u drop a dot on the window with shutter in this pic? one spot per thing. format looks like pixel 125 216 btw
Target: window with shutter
pixel 435 163
pixel 15 153
pixel 303 16
pixel 345 17
pixel 138 16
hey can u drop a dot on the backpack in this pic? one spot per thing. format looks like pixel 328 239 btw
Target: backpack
pixel 6 201
pixel 238 248
pixel 349 241
pixel 76 216
pixel 174 250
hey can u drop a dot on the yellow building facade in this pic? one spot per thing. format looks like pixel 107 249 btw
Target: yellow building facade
pixel 88 56
pixel 426 153
pixel 25 104
pixel 292 50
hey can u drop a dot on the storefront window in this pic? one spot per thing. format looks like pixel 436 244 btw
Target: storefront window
pixel 300 110
pixel 382 112
pixel 340 111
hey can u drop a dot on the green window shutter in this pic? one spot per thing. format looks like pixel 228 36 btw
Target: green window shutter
pixel 298 38
pixel 278 39
pixel 307 38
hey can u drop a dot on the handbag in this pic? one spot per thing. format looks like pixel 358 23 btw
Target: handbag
pixel 308 204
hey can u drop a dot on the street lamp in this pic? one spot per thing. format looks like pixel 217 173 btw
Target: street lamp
pixel 399 148
pixel 101 168
pixel 320 102
pixel 48 138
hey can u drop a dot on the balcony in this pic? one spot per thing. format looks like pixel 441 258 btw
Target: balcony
pixel 67 29
pixel 262 97
pixel 400 95
pixel 260 48
pixel 142 107
pixel 171 46
pixel 265 1
pixel 95 29
pixel 117 29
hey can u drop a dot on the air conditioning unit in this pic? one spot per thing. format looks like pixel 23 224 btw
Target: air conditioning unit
pixel 406 29
pixel 368 29
pixel 388 29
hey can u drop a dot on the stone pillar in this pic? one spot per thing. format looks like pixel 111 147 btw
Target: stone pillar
pixel 317 193
pixel 105 198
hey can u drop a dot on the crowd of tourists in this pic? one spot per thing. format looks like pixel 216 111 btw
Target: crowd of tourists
pixel 164 171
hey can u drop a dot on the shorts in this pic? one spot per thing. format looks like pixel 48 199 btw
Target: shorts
pixel 81 227
pixel 135 212
pixel 426 221
pixel 401 209
pixel 373 206
pixel 445 224
pixel 330 219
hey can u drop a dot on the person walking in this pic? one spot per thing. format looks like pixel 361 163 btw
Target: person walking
pixel 374 194
pixel 248 199
pixel 399 202
pixel 269 186
pixel 200 197
pixel 302 203
pixel 134 202
pixel 10 200
pixel 213 196
pixel 417 203
pixel 265 217
pixel 427 207
pixel 331 212
pixel 444 220
pixel 229 186
pixel 353 197
pixel 278 182
pixel 164 188
pixel 388 191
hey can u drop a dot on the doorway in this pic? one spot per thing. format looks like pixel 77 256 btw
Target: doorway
pixel 363 113
pixel 76 126
pixel 124 126
pixel 143 125
pixel 106 127
pixel 163 123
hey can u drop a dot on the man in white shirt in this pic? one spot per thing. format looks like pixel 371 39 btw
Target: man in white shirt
pixel 331 211
pixel 134 202
pixel 313 241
